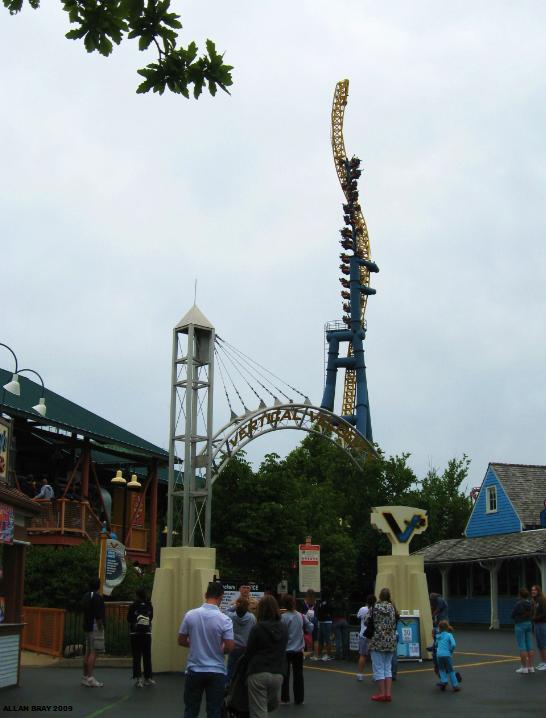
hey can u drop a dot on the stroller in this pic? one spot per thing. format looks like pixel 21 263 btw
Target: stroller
pixel 236 698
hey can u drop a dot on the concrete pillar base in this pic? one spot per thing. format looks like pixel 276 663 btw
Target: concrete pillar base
pixel 180 583
pixel 405 577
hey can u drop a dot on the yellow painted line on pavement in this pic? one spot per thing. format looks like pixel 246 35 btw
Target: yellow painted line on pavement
pixel 100 711
pixel 494 655
pixel 429 669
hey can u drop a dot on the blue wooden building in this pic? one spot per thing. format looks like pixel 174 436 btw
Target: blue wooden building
pixel 502 549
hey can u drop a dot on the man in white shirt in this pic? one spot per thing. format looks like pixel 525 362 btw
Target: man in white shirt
pixel 209 635
pixel 363 649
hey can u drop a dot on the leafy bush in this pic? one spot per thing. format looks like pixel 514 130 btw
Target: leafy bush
pixel 58 576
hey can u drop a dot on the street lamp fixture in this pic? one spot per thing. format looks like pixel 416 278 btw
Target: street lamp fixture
pixel 118 479
pixel 41 406
pixel 134 484
pixel 14 387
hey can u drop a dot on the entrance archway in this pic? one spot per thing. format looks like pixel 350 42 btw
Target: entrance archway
pixel 239 432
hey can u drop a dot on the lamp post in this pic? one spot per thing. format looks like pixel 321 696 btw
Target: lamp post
pixel 14 387
pixel 133 485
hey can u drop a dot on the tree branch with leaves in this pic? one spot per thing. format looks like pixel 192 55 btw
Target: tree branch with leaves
pixel 101 24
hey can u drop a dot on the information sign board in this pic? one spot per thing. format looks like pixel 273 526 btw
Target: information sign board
pixel 408 633
pixel 309 567
pixel 231 592
pixel 116 568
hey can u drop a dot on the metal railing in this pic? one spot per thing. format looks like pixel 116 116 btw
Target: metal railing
pixel 57 632
pixel 63 516
pixel 117 641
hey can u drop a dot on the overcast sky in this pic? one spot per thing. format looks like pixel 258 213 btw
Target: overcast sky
pixel 112 203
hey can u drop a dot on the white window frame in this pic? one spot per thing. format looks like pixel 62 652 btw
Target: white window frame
pixel 491 493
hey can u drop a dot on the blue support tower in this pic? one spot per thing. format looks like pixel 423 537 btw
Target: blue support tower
pixel 354 331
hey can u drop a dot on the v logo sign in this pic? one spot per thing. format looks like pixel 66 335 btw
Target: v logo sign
pixel 402 536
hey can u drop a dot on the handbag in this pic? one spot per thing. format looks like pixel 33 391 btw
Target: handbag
pixel 370 627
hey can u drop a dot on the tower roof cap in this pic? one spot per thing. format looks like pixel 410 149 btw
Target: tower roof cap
pixel 194 316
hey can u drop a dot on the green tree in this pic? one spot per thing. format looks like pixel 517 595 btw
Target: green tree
pixel 101 24
pixel 58 576
pixel 259 518
pixel 256 520
pixel 445 501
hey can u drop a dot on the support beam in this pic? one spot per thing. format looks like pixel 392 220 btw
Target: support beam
pixel 444 570
pixel 493 568
pixel 541 563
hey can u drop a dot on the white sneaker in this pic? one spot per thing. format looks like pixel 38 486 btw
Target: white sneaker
pixel 93 683
pixel 325 658
pixel 530 670
pixel 139 683
pixel 522 670
pixel 541 667
pixel 359 677
pixel 84 681
pixel 149 682
pixel 315 658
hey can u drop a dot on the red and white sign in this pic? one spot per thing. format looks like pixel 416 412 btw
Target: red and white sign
pixel 309 563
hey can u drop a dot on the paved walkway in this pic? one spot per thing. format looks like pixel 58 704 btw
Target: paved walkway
pixel 487 661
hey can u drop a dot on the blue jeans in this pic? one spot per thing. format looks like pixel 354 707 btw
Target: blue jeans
pixel 325 633
pixel 524 632
pixel 445 668
pixel 212 684
pixel 540 635
pixel 342 639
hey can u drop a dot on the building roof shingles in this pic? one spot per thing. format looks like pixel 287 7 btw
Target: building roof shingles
pixel 481 548
pixel 525 486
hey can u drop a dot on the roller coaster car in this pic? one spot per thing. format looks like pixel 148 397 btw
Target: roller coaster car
pixel 345 282
pixel 346 307
pixel 347 219
pixel 353 195
pixel 345 295
pixel 344 257
pixel 347 320
pixel 346 232
pixel 348 208
pixel 354 162
pixel 344 268
pixel 346 244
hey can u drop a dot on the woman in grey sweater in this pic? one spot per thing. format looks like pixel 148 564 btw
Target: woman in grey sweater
pixel 296 624
pixel 243 620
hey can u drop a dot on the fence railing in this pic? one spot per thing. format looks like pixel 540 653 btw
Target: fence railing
pixel 57 632
pixel 63 516
pixel 117 641
pixel 44 630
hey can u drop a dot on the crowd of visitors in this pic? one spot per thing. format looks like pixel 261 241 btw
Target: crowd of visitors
pixel 266 644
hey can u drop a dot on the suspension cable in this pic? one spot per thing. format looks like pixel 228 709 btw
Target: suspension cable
pixel 243 377
pixel 224 383
pixel 233 383
pixel 253 361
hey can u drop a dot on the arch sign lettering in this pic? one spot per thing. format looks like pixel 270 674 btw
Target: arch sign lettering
pixel 300 417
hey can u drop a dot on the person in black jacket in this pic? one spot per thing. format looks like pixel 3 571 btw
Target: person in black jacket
pixel 139 617
pixel 265 650
pixel 93 626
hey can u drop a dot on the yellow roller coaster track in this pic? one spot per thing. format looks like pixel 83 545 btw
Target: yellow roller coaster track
pixel 362 239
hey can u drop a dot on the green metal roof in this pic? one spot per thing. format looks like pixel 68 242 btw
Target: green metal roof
pixel 69 416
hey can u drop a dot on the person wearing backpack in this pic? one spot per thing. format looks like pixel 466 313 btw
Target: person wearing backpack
pixel 139 617
pixel 523 626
